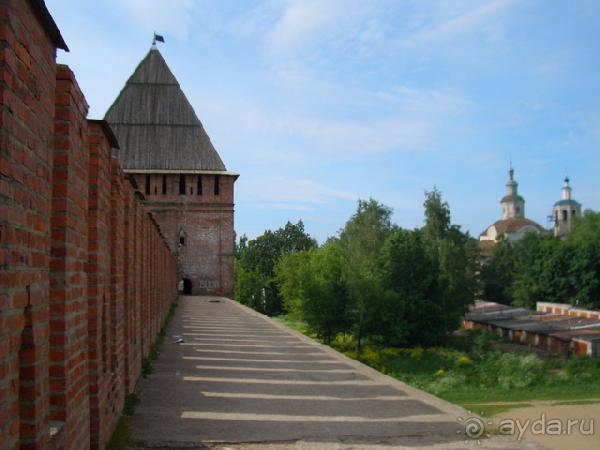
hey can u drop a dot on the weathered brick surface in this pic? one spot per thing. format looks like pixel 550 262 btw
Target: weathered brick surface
pixel 204 219
pixel 69 403
pixel 99 272
pixel 27 81
pixel 86 278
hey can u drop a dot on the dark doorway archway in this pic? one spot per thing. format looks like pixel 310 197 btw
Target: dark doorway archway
pixel 186 288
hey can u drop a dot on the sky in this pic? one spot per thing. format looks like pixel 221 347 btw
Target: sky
pixel 319 103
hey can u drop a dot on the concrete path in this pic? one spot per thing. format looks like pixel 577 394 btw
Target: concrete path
pixel 244 381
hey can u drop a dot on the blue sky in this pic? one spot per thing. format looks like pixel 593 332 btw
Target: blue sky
pixel 317 103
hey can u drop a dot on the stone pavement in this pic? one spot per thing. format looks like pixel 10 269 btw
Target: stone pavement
pixel 241 380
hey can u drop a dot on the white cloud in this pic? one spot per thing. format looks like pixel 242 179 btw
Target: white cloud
pixel 461 18
pixel 303 22
pixel 288 193
pixel 397 120
pixel 171 17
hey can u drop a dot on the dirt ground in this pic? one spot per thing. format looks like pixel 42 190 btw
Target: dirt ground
pixel 556 427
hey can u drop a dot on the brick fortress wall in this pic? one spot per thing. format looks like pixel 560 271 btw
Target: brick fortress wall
pixel 196 217
pixel 86 277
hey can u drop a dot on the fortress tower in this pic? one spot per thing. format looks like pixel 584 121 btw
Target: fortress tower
pixel 164 148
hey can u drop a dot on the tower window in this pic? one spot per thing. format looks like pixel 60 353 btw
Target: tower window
pixel 217 184
pixel 564 215
pixel 199 187
pixel 155 190
pixel 147 190
pixel 164 185
pixel 574 212
pixel 181 184
pixel 181 241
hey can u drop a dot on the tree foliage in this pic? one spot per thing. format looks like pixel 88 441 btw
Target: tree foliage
pixel 313 287
pixel 544 269
pixel 380 283
pixel 361 241
pixel 254 268
pixel 497 274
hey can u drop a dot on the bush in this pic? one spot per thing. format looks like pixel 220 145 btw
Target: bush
pixel 447 383
pixel 371 358
pixel 514 371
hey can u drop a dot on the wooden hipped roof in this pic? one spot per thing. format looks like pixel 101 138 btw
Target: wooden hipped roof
pixel 155 124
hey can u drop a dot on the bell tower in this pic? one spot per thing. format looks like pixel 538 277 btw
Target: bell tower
pixel 513 205
pixel 564 211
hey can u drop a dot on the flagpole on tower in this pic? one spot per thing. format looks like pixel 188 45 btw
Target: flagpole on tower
pixel 157 37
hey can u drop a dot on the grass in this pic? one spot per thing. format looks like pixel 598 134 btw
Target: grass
pixel 469 371
pixel 121 437
pixel 487 410
pixel 155 347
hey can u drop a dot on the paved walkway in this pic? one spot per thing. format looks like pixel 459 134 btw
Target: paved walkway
pixel 244 381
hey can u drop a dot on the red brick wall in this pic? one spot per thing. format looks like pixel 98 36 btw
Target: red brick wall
pixel 207 223
pixel 27 82
pixel 98 271
pixel 69 404
pixel 85 276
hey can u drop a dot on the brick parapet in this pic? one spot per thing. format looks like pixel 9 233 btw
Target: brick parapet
pixel 85 276
pixel 69 403
pixel 27 82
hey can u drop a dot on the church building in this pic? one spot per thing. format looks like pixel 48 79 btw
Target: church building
pixel 513 225
pixel 165 149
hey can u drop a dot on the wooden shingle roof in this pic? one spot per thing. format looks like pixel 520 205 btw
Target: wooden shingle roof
pixel 155 124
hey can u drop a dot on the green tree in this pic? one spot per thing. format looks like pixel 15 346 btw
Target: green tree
pixel 437 215
pixel 497 274
pixel 257 259
pixel 541 271
pixel 312 285
pixel 454 254
pixel 361 242
pixel 585 265
pixel 249 286
pixel 292 275
pixel 412 311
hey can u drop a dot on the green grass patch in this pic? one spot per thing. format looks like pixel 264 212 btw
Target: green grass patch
pixel 578 402
pixel 490 410
pixel 469 370
pixel 155 347
pixel 295 324
pixel 121 437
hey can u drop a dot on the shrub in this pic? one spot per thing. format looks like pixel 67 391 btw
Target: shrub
pixel 371 358
pixel 463 361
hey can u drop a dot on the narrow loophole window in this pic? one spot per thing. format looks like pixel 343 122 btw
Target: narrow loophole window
pixel 181 184
pixel 217 184
pixel 199 187
pixel 164 185
pixel 147 190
